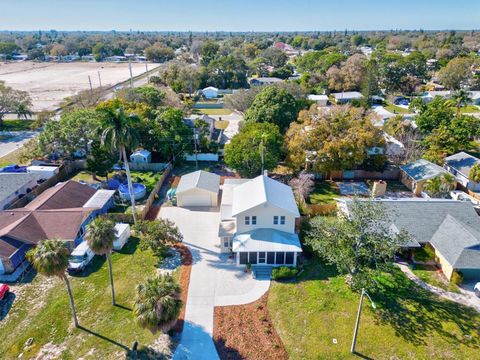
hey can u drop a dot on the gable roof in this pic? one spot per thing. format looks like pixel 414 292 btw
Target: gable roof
pixel 462 162
pixel 458 243
pixel 266 240
pixel 199 180
pixel 422 170
pixel 263 190
pixel 347 95
pixel 143 153
pixel 12 182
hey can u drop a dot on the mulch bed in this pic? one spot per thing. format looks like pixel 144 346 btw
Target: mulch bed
pixel 245 332
pixel 184 281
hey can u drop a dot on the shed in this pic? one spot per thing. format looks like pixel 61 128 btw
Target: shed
pixel 321 100
pixel 141 156
pixel 414 175
pixel 45 172
pixel 210 92
pixel 122 234
pixel 199 188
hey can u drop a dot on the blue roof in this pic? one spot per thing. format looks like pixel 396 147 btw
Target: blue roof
pixel 423 170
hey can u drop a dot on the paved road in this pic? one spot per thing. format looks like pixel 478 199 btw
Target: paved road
pixel 11 141
pixel 214 280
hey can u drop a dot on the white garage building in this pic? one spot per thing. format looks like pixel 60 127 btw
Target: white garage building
pixel 199 188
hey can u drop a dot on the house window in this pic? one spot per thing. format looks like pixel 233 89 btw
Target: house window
pixel 289 256
pixel 252 258
pixel 227 242
pixel 243 258
pixel 282 220
pixel 247 220
pixel 254 220
pixel 271 258
pixel 280 258
pixel 275 220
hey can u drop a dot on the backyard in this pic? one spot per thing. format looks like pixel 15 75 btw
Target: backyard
pixel 41 311
pixel 409 322
pixel 324 192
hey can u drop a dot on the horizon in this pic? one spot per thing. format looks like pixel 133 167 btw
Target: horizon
pixel 246 16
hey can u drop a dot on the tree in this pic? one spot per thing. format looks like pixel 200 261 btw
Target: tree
pixel 461 98
pixel 13 101
pixel 330 141
pixel 227 72
pixel 159 53
pixel 244 152
pixel 8 48
pixel 274 57
pixel 158 235
pixel 359 243
pixel 119 133
pixel 242 99
pixel 209 51
pixel 434 114
pixel 350 75
pixel 100 159
pixel 50 258
pixel 273 105
pixel 457 72
pixel 302 186
pixel 157 303
pixel 474 173
pixel 58 50
pixel 440 186
pixel 100 51
pixel 100 237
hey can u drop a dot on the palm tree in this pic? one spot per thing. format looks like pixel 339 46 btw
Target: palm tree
pixel 440 185
pixel 157 303
pixel 50 258
pixel 474 173
pixel 460 97
pixel 100 237
pixel 119 133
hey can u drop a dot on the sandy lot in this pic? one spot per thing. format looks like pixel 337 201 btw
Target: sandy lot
pixel 49 83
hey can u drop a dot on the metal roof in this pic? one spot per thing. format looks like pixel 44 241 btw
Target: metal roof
pixel 462 162
pixel 423 170
pixel 99 199
pixel 266 240
pixel 263 190
pixel 199 180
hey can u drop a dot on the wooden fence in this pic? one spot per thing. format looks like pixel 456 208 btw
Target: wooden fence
pixel 390 174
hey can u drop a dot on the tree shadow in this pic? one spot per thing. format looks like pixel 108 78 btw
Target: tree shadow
pixel 362 356
pixel 94 265
pixel 130 247
pixel 123 307
pixel 227 352
pixel 104 338
pixel 415 313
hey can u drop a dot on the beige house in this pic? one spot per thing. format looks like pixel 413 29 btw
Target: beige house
pixel 415 174
pixel 199 188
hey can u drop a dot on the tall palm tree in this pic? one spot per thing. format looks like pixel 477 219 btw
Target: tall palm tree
pixel 100 237
pixel 119 133
pixel 158 303
pixel 460 97
pixel 50 257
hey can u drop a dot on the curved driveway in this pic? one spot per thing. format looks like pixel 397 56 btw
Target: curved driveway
pixel 214 280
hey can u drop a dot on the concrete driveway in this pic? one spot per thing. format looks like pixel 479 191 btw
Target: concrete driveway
pixel 214 280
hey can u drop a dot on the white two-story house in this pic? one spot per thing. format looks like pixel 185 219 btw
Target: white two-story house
pixel 258 222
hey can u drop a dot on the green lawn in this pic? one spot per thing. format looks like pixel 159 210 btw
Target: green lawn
pixel 17 125
pixel 396 109
pixel 315 316
pixel 469 109
pixel 424 254
pixel 12 158
pixel 41 311
pixel 324 193
pixel 213 111
pixel 431 275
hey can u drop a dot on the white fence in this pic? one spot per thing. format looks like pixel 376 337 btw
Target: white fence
pixel 202 157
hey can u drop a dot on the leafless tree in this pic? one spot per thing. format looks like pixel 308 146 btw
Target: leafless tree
pixel 302 185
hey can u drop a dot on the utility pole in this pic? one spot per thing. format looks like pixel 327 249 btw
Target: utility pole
pixel 90 82
pixel 357 323
pixel 146 70
pixel 195 138
pixel 131 75
pixel 99 78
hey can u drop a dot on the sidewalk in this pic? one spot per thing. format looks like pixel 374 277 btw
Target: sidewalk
pixel 464 297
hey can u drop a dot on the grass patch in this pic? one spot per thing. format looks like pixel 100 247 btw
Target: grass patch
pixel 469 109
pixel 11 158
pixel 214 111
pixel 221 124
pixel 424 254
pixel 324 193
pixel 396 109
pixel 17 125
pixel 41 311
pixel 431 275
pixel 409 322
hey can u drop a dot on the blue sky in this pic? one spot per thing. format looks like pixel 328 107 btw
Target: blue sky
pixel 238 15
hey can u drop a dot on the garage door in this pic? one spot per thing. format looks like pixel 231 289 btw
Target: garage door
pixel 196 200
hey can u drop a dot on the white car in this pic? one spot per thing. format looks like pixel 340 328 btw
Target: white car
pixel 477 289
pixel 80 258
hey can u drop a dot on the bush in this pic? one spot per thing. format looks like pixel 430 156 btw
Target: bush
pixel 457 278
pixel 284 272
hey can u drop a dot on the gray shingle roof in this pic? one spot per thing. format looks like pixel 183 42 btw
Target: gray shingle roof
pixel 199 180
pixel 462 162
pixel 12 182
pixel 422 170
pixel 458 243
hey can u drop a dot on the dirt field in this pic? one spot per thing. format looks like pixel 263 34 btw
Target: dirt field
pixel 49 83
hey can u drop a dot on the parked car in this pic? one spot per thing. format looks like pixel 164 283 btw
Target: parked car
pixel 477 289
pixel 401 101
pixel 80 258
pixel 4 289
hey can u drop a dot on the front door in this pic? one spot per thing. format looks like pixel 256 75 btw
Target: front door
pixel 262 257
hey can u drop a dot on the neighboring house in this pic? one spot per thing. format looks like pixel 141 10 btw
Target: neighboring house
pixel 414 175
pixel 141 156
pixel 382 116
pixel 264 81
pixel 199 188
pixel 451 227
pixel 16 185
pixel 428 96
pixel 258 222
pixel 460 165
pixel 210 123
pixel 394 146
pixel 321 100
pixel 63 211
pixel 475 96
pixel 210 92
pixel 346 97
